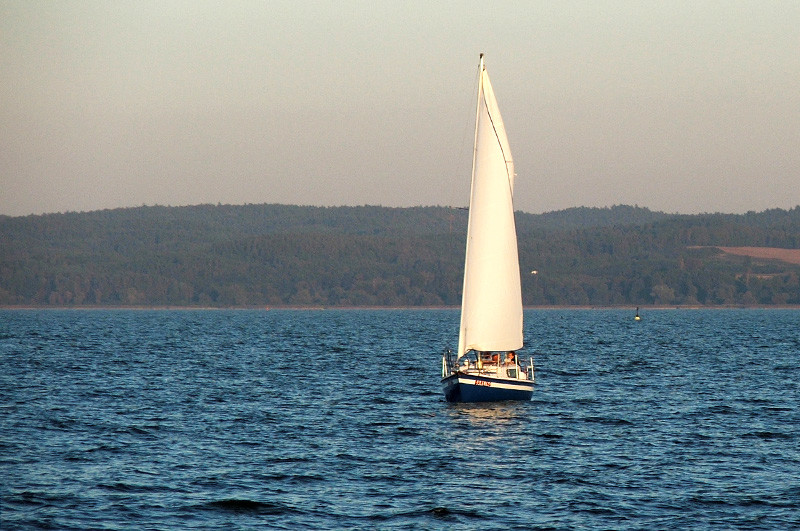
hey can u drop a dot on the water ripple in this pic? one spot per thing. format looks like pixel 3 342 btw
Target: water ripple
pixel 241 420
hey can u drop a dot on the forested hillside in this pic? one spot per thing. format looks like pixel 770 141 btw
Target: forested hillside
pixel 270 255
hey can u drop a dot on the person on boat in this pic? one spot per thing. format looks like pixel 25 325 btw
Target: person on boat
pixel 514 368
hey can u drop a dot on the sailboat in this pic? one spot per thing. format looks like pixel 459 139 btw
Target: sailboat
pixel 486 368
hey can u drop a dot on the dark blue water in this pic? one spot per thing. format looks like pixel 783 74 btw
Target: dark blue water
pixel 335 419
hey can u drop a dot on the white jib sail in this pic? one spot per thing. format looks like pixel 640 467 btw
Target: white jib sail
pixel 491 306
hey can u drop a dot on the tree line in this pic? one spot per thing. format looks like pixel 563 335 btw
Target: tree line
pixel 276 255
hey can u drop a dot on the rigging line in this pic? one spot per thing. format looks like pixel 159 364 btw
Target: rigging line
pixel 500 143
pixel 466 144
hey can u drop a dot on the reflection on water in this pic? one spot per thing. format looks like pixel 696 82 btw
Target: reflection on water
pixel 492 413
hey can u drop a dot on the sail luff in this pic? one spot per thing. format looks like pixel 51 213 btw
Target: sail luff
pixel 491 310
pixel 461 335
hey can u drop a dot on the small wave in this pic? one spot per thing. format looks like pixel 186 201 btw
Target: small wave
pixel 249 444
pixel 382 401
pixel 407 432
pixel 710 500
pixel 291 459
pixel 722 410
pixel 350 457
pixel 605 420
pixel 296 478
pixel 129 487
pixel 42 499
pixel 438 513
pixel 767 435
pixel 767 501
pixel 146 472
pixel 780 409
pixel 444 512
pixel 238 505
pixel 614 466
pixel 552 436
pixel 558 372
pixel 792 495
pixel 103 448
pixel 61 424
pixel 139 430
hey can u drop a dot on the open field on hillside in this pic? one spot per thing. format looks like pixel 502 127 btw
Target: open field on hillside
pixel 791 256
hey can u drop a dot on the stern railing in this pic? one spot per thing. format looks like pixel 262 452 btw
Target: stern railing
pixel 447 363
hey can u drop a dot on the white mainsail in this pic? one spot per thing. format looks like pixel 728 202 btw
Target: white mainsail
pixel 491 306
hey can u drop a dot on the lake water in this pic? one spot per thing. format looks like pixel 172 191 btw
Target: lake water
pixel 335 419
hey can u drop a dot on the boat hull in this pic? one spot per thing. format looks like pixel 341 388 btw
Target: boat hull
pixel 462 387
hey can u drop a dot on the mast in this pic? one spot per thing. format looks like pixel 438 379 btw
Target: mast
pixel 481 68
pixel 461 335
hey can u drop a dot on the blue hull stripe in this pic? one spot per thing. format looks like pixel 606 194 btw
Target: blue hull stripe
pixel 471 388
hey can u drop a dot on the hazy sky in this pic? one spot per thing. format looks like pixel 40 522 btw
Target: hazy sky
pixel 680 106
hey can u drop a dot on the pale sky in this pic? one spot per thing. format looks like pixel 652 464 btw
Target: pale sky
pixel 678 106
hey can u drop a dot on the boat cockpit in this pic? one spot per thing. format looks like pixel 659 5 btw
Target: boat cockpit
pixel 494 364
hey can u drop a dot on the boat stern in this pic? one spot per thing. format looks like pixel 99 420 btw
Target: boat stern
pixel 462 387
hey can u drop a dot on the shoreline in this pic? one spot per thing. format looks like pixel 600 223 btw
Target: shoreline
pixel 391 308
